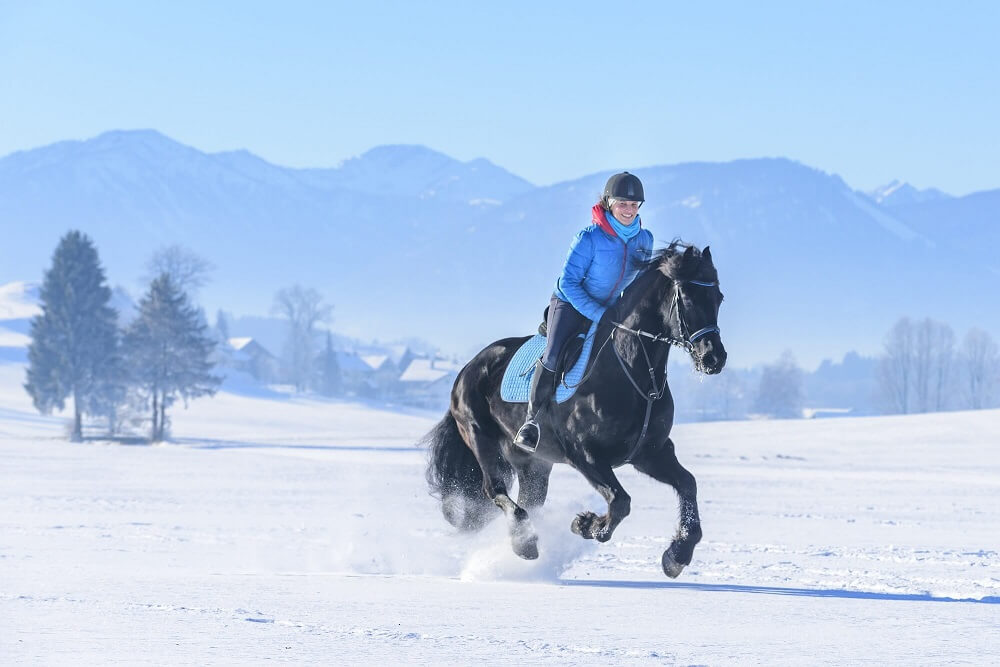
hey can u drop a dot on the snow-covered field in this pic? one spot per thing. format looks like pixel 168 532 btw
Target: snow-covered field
pixel 301 531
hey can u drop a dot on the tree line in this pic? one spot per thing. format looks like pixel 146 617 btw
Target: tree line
pixel 924 370
pixel 132 373
pixel 136 372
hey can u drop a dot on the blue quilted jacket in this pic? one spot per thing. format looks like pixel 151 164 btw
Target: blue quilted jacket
pixel 599 265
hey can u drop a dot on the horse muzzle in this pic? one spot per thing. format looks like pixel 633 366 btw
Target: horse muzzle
pixel 710 357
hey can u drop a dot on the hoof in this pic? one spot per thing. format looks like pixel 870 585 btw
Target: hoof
pixel 527 549
pixel 671 567
pixel 583 525
pixel 589 526
pixel 523 538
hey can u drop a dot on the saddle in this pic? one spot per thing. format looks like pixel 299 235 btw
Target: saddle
pixel 516 382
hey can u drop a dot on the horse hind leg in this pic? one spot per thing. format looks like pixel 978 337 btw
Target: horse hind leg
pixel 455 476
pixel 662 465
pixel 532 482
pixel 523 539
pixel 496 473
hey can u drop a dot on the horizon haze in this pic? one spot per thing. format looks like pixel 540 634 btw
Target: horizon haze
pixel 463 253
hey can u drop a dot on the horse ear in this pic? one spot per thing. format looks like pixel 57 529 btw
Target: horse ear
pixel 706 254
pixel 689 253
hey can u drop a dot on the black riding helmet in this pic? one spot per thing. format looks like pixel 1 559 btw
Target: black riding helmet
pixel 622 186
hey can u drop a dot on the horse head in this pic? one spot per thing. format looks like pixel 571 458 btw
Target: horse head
pixel 690 311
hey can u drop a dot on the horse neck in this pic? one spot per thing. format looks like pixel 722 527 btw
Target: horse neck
pixel 646 310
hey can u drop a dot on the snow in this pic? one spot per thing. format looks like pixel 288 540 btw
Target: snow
pixel 890 223
pixel 375 361
pixel 428 370
pixel 300 530
pixel 18 301
pixel 886 191
pixel 13 339
pixel 239 343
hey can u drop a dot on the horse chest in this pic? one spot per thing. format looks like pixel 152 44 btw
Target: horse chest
pixel 612 424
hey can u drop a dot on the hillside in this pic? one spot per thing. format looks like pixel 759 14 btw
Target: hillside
pixel 405 241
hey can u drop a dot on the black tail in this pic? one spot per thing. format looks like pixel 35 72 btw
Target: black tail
pixel 455 477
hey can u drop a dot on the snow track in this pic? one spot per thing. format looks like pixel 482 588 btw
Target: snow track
pixel 830 542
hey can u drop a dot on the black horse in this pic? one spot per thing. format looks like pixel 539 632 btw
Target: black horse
pixel 622 412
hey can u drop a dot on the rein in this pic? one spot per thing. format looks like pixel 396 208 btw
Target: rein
pixel 653 394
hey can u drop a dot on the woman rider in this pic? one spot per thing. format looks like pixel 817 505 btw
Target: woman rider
pixel 603 259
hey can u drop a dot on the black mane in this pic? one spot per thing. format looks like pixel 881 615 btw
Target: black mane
pixel 672 262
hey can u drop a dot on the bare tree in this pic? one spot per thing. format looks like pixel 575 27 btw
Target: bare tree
pixel 188 271
pixel 304 309
pixel 980 363
pixel 916 374
pixel 780 393
pixel 896 368
pixel 934 350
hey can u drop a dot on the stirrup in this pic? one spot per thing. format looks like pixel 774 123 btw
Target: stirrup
pixel 523 439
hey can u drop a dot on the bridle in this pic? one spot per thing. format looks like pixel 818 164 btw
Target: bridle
pixel 686 341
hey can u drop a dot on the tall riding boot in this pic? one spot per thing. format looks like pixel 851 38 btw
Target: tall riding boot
pixel 543 386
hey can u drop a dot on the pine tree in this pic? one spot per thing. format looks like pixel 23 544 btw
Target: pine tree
pixel 168 349
pixel 74 342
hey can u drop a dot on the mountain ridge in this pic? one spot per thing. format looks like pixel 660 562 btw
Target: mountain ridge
pixel 408 241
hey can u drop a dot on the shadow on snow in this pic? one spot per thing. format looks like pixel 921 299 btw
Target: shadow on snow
pixel 210 443
pixel 776 590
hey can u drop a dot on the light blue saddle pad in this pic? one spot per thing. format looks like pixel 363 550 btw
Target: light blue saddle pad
pixel 516 383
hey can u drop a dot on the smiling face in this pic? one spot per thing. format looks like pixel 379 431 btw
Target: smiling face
pixel 624 211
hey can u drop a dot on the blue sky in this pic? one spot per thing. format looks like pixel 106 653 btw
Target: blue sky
pixel 548 90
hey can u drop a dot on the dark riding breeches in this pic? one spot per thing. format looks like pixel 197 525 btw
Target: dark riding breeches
pixel 564 321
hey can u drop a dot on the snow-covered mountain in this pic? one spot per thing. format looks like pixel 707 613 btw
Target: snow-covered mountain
pixel 966 227
pixel 898 193
pixel 415 171
pixel 403 240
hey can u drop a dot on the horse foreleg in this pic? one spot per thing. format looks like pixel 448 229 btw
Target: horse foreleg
pixel 523 538
pixel 590 525
pixel 661 464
